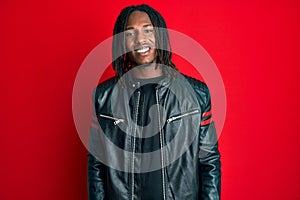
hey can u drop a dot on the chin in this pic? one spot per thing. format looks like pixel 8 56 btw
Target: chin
pixel 144 63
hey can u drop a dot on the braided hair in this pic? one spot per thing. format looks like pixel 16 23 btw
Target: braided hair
pixel 121 64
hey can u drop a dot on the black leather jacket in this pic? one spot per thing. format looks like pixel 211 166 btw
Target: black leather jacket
pixel 187 157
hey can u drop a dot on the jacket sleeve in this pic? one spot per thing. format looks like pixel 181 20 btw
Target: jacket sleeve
pixel 96 169
pixel 209 156
pixel 96 178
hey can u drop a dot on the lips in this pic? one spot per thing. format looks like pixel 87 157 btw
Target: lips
pixel 142 54
pixel 143 49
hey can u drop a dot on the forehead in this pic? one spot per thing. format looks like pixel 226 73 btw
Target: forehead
pixel 137 18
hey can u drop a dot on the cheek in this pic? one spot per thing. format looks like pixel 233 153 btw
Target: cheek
pixel 154 54
pixel 152 39
pixel 128 45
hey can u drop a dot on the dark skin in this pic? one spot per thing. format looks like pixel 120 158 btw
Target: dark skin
pixel 140 42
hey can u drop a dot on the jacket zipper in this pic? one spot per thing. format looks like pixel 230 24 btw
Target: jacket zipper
pixel 134 141
pixel 161 147
pixel 183 115
pixel 116 120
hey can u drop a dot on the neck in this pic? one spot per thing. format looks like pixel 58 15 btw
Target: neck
pixel 147 71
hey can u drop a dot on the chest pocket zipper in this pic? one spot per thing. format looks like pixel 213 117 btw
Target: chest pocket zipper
pixel 183 115
pixel 116 120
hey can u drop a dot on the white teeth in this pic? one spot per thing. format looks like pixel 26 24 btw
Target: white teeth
pixel 143 50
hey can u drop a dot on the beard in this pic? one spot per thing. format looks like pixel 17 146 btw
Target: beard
pixel 133 63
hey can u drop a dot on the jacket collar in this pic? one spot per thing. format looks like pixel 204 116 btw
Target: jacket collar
pixel 132 83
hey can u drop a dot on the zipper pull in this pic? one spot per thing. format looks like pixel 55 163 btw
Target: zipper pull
pixel 170 119
pixel 116 122
pixel 182 116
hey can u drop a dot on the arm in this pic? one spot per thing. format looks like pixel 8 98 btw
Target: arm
pixel 96 178
pixel 209 157
pixel 96 169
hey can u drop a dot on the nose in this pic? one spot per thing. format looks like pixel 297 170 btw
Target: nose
pixel 140 37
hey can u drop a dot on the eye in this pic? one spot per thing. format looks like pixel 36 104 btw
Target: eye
pixel 129 34
pixel 148 31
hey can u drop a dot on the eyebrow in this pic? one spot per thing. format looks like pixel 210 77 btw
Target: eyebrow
pixel 144 26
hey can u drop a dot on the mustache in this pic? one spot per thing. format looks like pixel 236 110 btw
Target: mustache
pixel 142 46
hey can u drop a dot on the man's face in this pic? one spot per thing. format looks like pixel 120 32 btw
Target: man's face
pixel 140 39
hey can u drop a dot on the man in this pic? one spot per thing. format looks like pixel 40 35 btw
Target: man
pixel 152 137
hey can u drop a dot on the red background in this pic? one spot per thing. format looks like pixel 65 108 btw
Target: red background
pixel 255 46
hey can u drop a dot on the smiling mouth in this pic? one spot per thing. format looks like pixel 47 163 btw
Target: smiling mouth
pixel 143 50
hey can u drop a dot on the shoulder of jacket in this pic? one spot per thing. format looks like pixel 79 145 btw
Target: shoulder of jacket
pixel 201 90
pixel 106 84
pixel 196 84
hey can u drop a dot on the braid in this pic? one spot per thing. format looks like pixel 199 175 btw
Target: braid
pixel 121 64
